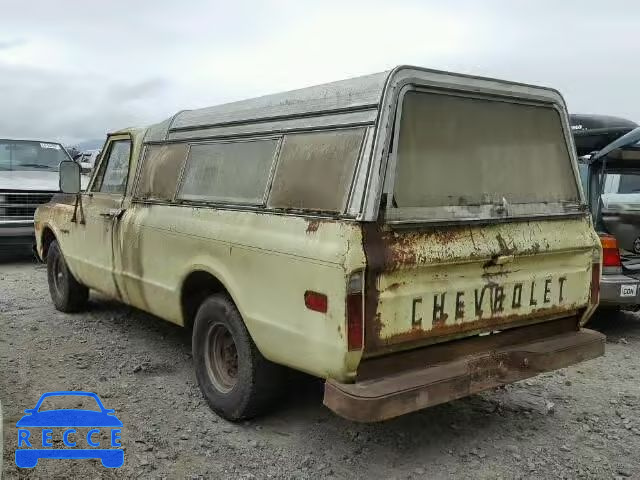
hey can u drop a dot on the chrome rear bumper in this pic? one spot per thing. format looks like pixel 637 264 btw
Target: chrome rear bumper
pixel 611 290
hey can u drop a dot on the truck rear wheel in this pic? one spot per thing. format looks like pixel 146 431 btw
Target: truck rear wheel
pixel 67 293
pixel 234 377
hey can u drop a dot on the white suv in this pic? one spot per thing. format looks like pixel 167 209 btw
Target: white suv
pixel 28 178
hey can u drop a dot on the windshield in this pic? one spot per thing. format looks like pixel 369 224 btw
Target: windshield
pixel 28 155
pixel 458 154
pixel 629 183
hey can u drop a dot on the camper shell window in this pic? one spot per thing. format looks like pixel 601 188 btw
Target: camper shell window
pixel 315 170
pixel 160 171
pixel 228 172
pixel 462 157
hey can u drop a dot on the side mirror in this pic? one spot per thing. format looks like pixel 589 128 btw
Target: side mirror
pixel 69 177
pixel 30 410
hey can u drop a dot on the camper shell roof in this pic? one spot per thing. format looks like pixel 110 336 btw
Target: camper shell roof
pixel 367 101
pixel 350 102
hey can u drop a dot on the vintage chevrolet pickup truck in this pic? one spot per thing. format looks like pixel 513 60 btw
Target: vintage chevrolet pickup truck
pixel 412 237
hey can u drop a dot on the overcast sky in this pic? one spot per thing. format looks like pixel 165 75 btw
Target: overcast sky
pixel 73 70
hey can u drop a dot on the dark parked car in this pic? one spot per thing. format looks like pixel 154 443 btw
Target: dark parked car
pixel 609 163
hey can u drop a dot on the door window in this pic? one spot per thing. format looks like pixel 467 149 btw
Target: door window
pixel 113 173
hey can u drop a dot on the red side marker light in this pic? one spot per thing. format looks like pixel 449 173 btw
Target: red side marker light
pixel 315 301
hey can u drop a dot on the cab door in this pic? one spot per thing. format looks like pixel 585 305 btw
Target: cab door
pixel 102 207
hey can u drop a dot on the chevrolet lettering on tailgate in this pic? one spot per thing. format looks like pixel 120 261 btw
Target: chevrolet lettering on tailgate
pixel 492 298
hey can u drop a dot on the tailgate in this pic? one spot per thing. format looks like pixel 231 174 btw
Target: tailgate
pixel 433 285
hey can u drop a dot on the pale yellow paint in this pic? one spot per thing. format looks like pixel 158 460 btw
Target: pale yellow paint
pixel 267 261
pixel 544 269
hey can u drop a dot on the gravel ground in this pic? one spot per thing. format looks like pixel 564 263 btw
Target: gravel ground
pixel 580 422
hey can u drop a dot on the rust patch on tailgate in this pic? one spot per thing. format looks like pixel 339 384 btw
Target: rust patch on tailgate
pixel 312 226
pixel 375 251
pixel 446 332
pixel 388 251
pixel 442 256
pixel 387 365
pixel 391 250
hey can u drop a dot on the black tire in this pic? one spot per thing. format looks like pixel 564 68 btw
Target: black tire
pixel 67 293
pixel 234 392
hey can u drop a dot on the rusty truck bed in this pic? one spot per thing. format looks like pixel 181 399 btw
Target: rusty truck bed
pixel 397 384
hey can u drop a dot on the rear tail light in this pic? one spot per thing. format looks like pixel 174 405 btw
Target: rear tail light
pixel 355 330
pixel 610 252
pixel 595 283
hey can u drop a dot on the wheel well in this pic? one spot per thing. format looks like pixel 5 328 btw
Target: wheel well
pixel 196 287
pixel 47 238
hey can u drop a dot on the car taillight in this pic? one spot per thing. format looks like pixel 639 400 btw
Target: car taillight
pixel 595 283
pixel 610 251
pixel 354 308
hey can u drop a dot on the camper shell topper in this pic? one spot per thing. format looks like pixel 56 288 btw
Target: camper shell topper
pixel 375 103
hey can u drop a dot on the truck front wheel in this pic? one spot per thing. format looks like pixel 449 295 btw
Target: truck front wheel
pixel 234 377
pixel 67 293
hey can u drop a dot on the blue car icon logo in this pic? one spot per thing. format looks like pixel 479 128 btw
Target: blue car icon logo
pixel 84 432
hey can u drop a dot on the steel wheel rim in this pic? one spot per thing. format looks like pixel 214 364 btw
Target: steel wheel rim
pixel 221 358
pixel 58 274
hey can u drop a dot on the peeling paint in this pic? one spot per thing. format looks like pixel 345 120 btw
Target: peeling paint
pixel 434 284
pixel 312 226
